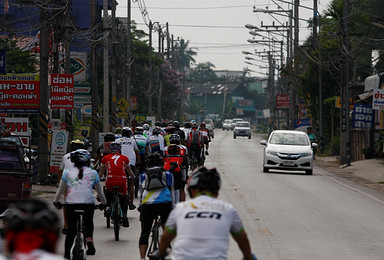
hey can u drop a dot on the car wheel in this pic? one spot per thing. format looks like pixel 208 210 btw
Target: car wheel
pixel 309 172
pixel 234 136
pixel 249 137
pixel 265 169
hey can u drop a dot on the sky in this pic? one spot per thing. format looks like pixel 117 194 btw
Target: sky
pixel 216 28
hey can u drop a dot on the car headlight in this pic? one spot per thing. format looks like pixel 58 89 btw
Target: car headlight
pixel 272 153
pixel 305 154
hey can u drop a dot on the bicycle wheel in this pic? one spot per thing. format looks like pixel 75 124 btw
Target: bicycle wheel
pixel 78 248
pixel 108 220
pixel 116 216
pixel 154 245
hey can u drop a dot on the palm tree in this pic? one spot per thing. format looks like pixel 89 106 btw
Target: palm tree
pixel 184 56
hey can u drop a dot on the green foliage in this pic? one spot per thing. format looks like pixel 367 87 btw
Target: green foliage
pixel 333 148
pixel 203 72
pixel 18 61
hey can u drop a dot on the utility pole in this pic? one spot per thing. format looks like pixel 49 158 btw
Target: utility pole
pixel 114 67
pixel 129 55
pixel 106 127
pixel 43 114
pixel 149 92
pixel 94 83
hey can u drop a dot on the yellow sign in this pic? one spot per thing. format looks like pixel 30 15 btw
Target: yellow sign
pixel 122 115
pixel 338 103
pixel 123 104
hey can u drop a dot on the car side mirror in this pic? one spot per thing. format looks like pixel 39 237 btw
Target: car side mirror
pixel 263 142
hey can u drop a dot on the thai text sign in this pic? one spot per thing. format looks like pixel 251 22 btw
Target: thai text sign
pixel 58 149
pixel 282 101
pixel 19 93
pixel 62 91
pixel 378 99
pixel 363 116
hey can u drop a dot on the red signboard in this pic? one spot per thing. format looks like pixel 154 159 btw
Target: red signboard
pixel 282 101
pixel 19 93
pixel 133 103
pixel 62 91
pixel 246 103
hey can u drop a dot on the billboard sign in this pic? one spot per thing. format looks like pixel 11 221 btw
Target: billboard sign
pixel 18 126
pixel 19 93
pixel 378 99
pixel 61 91
pixel 363 116
pixel 78 65
pixel 282 101
pixel 58 149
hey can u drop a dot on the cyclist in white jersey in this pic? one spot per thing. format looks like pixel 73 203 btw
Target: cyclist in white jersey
pixel 129 148
pixel 31 220
pixel 202 224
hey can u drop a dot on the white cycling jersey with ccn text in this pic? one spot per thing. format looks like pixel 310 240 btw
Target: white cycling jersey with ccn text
pixel 202 226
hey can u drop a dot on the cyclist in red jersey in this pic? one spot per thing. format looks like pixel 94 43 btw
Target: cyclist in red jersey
pixel 117 167
pixel 206 136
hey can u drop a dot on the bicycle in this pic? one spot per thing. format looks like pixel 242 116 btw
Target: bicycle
pixel 78 249
pixel 155 237
pixel 116 215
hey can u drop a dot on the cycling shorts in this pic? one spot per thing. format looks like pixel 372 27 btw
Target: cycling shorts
pixel 117 181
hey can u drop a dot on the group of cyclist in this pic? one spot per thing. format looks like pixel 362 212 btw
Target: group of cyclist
pixel 138 153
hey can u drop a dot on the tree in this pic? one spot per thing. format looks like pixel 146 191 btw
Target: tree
pixel 18 61
pixel 203 72
pixel 184 56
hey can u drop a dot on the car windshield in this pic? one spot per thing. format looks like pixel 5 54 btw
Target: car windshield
pixel 289 139
pixel 242 124
pixel 9 159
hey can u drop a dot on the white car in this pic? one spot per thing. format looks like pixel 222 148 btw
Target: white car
pixel 288 150
pixel 242 128
pixel 227 124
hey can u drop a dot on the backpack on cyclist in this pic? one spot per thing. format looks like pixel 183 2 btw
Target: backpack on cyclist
pixel 195 140
pixel 155 178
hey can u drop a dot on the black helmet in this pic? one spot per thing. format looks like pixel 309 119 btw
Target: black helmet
pixel 176 124
pixel 126 132
pixel 154 159
pixel 174 139
pixel 30 215
pixel 157 123
pixel 187 124
pixel 139 130
pixel 173 149
pixel 164 124
pixel 84 133
pixel 109 137
pixel 205 179
pixel 76 144
pixel 80 156
pixel 195 126
pixel 156 131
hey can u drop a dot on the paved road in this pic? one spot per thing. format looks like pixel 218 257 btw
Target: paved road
pixel 286 215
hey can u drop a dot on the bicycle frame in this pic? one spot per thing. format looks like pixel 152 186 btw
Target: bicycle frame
pixel 78 251
pixel 155 242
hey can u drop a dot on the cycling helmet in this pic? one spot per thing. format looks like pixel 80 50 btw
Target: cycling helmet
pixel 176 124
pixel 204 179
pixel 164 124
pixel 139 130
pixel 193 121
pixel 195 126
pixel 170 129
pixel 146 127
pixel 156 131
pixel 80 156
pixel 109 137
pixel 118 130
pixel 174 149
pixel 174 139
pixel 76 144
pixel 187 124
pixel 84 133
pixel 154 159
pixel 114 147
pixel 35 217
pixel 126 132
pixel 202 125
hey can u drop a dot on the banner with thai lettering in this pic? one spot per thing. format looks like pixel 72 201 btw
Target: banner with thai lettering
pixel 19 93
pixel 282 101
pixel 18 126
pixel 378 99
pixel 62 91
pixel 363 116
